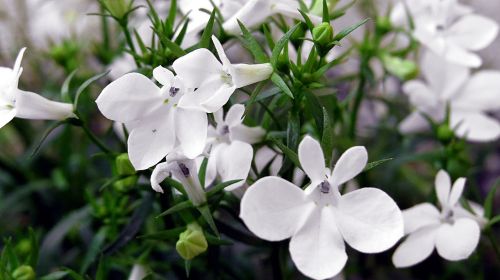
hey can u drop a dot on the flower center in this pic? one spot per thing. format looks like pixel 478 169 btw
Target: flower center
pixel 447 216
pixel 227 78
pixel 324 187
pixel 173 91
pixel 184 169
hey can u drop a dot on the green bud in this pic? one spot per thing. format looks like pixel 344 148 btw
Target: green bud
pixel 117 8
pixel 126 184
pixel 401 68
pixel 383 25
pixel 24 247
pixel 24 272
pixel 444 133
pixel 323 34
pixel 192 242
pixel 124 166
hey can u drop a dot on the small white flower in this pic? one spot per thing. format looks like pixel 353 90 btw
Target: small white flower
pixel 23 104
pixel 138 272
pixel 255 12
pixel 154 117
pixel 231 151
pixel 320 219
pixel 455 236
pixel 470 98
pixel 214 82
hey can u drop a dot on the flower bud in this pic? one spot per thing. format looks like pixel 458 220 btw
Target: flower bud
pixel 123 165
pixel 117 8
pixel 323 34
pixel 401 68
pixel 444 133
pixel 24 272
pixel 383 25
pixel 192 242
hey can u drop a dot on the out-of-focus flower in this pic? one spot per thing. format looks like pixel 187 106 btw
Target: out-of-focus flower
pixel 23 104
pixel 469 97
pixel 214 82
pixel 138 272
pixel 153 116
pixel 320 219
pixel 454 235
pixel 231 151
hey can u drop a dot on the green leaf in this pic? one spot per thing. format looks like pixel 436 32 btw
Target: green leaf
pixel 170 234
pixel 213 240
pixel 176 208
pixel 327 137
pixel 221 186
pixel 203 171
pixel 287 152
pixel 65 87
pixel 46 134
pixel 173 47
pixel 281 44
pixel 172 15
pixel 315 109
pixel 342 34
pixel 55 275
pixel 86 84
pixel 307 20
pixel 492 222
pixel 94 249
pixel 33 256
pixel 251 44
pixel 490 200
pixel 280 83
pixel 326 12
pixel 207 32
pixel 374 164
pixel 207 216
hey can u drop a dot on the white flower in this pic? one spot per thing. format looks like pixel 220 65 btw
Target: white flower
pixel 404 9
pixel 469 96
pixel 153 116
pixel 231 151
pixel 320 219
pixel 138 272
pixel 23 104
pixel 454 236
pixel 255 12
pixel 215 82
pixel 454 33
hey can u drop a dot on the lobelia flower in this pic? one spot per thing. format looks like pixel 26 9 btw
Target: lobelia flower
pixel 231 151
pixel 214 82
pixel 138 272
pixel 319 219
pixel 154 117
pixel 454 33
pixel 470 97
pixel 454 235
pixel 24 104
pixel 255 12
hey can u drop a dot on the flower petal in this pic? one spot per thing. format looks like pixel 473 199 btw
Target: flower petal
pixel 6 115
pixel 33 106
pixel 234 162
pixel 151 140
pixel 234 115
pixel 219 98
pixel 475 126
pixel 458 241
pixel 420 95
pixel 312 159
pixel 318 249
pixel 160 173
pixel 417 247
pixel 420 216
pixel 250 135
pixel 251 14
pixel 191 130
pixel 247 74
pixel 163 76
pixel 473 32
pixel 443 187
pixel 196 67
pixel 350 164
pixel 220 51
pixel 414 122
pixel 131 97
pixel 456 191
pixel 482 92
pixel 274 209
pixel 369 220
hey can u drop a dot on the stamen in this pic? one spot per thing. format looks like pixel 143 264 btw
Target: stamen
pixel 225 129
pixel 173 91
pixel 184 169
pixel 324 187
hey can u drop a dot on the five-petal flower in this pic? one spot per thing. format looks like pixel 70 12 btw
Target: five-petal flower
pixel 454 235
pixel 320 219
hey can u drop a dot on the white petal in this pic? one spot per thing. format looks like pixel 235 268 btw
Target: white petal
pixel 317 249
pixel 160 173
pixel 274 209
pixel 369 220
pixel 191 130
pixel 151 140
pixel 419 216
pixel 211 172
pixel 130 98
pixel 421 96
pixel 443 187
pixel 455 54
pixel 482 92
pixel 219 116
pixel 234 115
pixel 220 51
pixel 250 135
pixel 197 66
pixel 456 191
pixel 414 122
pixel 247 74
pixel 475 126
pixel 350 164
pixel 6 115
pixel 163 76
pixel 19 59
pixel 33 106
pixel 234 162
pixel 219 98
pixel 458 241
pixel 251 14
pixel 312 159
pixel 195 99
pixel 417 247
pixel 473 32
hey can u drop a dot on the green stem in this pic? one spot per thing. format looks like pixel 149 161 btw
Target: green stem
pixel 357 103
pixel 79 122
pixel 494 244
pixel 130 43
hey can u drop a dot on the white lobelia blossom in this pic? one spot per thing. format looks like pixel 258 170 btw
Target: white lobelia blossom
pixel 152 114
pixel 450 30
pixel 319 219
pixel 454 235
pixel 470 97
pixel 138 272
pixel 255 12
pixel 403 10
pixel 231 151
pixel 214 82
pixel 23 104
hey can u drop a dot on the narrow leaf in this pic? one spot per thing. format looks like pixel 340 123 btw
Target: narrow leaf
pixel 251 44
pixel 176 208
pixel 280 83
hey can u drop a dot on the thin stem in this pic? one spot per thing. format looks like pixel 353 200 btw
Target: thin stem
pixel 130 43
pixel 494 244
pixel 357 103
pixel 91 135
